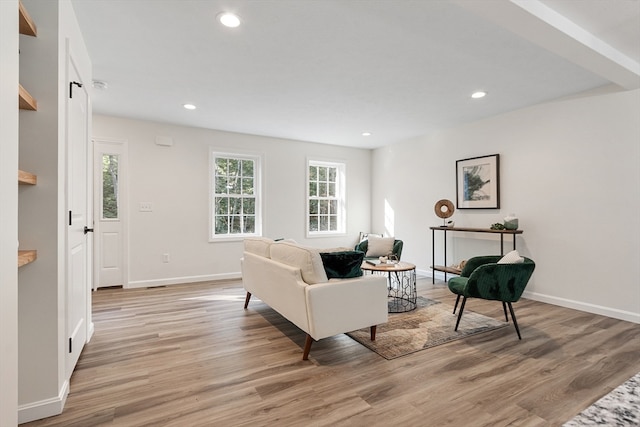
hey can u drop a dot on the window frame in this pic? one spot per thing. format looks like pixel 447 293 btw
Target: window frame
pixel 214 154
pixel 341 198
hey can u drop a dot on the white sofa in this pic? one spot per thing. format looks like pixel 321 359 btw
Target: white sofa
pixel 291 279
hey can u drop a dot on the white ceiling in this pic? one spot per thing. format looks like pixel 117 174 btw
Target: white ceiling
pixel 327 70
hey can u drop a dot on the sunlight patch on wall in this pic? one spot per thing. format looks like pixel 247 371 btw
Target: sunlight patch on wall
pixel 389 219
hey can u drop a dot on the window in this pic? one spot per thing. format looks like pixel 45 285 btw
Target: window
pixel 326 201
pixel 235 195
pixel 110 172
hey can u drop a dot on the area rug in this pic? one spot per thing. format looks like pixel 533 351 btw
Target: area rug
pixel 430 324
pixel 621 407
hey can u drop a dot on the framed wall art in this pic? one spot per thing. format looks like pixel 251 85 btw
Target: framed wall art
pixel 478 182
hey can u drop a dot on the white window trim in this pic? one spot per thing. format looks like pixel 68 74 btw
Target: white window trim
pixel 257 158
pixel 342 199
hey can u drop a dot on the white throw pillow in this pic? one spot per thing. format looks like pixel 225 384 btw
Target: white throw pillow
pixel 308 260
pixel 258 245
pixel 512 257
pixel 380 246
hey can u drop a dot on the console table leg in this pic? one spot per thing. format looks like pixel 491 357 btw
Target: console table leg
pixel 433 257
pixel 445 254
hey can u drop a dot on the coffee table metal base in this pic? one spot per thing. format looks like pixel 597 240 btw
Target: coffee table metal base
pixel 403 295
pixel 401 284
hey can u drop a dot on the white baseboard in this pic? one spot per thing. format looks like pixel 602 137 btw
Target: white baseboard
pixel 438 274
pixel 562 302
pixel 180 280
pixel 583 306
pixel 44 408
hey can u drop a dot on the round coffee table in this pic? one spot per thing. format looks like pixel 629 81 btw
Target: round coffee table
pixel 401 284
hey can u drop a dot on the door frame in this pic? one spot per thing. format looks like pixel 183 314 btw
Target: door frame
pixel 123 205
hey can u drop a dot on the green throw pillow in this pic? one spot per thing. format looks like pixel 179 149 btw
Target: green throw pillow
pixel 342 265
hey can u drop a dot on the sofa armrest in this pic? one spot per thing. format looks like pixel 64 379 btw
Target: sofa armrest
pixel 280 286
pixel 346 305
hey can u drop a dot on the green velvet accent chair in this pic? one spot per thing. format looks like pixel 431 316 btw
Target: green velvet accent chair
pixel 483 278
pixel 364 246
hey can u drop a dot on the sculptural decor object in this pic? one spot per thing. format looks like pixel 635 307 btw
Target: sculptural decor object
pixel 444 209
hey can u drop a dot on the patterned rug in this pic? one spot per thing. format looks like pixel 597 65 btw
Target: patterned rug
pixel 428 325
pixel 621 407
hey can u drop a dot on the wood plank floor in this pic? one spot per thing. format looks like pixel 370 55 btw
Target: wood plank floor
pixel 189 355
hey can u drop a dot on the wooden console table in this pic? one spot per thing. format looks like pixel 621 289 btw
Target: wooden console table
pixel 453 270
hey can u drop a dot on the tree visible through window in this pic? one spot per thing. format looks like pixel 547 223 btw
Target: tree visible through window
pixel 235 195
pixel 109 186
pixel 325 197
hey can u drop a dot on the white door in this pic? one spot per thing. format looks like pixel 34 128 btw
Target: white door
pixel 79 252
pixel 110 159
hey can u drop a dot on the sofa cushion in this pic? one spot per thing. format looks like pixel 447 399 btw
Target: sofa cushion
pixel 342 265
pixel 258 245
pixel 512 257
pixel 380 246
pixel 308 260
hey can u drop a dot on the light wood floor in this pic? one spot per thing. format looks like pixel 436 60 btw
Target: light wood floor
pixel 189 355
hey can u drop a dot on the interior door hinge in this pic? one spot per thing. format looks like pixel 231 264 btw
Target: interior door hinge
pixel 69 217
pixel 70 345
pixel 71 88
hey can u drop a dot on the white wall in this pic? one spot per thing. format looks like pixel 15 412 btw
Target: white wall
pixel 42 294
pixel 8 213
pixel 175 180
pixel 570 170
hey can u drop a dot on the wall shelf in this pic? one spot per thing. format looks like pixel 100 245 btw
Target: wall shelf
pixel 26 256
pixel 27 26
pixel 27 178
pixel 25 100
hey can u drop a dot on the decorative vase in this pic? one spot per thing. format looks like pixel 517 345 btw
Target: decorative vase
pixel 511 222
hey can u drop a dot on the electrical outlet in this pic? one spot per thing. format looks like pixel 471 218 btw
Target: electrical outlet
pixel 165 257
pixel 146 207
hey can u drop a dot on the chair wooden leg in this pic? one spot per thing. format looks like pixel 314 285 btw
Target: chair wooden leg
pixel 504 308
pixel 464 300
pixel 515 322
pixel 307 347
pixel 246 300
pixel 373 332
pixel 456 306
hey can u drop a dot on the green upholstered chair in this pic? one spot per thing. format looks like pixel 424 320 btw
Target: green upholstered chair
pixel 364 246
pixel 483 278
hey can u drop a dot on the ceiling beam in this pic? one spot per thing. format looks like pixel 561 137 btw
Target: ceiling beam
pixel 539 24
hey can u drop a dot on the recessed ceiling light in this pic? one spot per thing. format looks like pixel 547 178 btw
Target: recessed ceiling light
pixel 229 19
pixel 479 94
pixel 366 133
pixel 189 106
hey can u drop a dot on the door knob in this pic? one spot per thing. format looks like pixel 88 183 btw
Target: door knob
pixel 87 230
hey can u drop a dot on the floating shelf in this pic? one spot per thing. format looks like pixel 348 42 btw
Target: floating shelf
pixel 25 257
pixel 25 100
pixel 27 178
pixel 27 26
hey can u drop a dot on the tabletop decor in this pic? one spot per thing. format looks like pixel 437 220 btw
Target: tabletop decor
pixel 444 209
pixel 478 182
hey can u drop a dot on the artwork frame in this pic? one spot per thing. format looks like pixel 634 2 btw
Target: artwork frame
pixel 478 182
